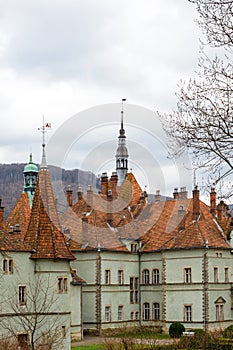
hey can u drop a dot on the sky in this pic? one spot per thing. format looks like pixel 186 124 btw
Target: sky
pixel 66 58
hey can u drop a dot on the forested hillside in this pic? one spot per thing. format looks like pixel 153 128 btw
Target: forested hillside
pixel 11 183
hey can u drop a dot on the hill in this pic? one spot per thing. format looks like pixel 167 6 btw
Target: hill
pixel 11 183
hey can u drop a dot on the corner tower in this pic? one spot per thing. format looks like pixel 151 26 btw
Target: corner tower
pixel 30 174
pixel 122 152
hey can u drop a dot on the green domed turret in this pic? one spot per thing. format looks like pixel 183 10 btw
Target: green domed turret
pixel 30 178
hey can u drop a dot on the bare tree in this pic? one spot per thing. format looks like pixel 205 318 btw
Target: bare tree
pixel 216 21
pixel 203 121
pixel 33 312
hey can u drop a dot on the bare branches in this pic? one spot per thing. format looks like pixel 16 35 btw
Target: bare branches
pixel 216 21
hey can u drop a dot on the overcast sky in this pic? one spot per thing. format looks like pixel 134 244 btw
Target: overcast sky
pixel 60 57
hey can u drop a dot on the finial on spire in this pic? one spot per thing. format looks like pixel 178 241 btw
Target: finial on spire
pixel 43 130
pixel 122 131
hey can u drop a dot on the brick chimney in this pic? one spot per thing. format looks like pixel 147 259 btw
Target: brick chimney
pixel 113 181
pixel 84 224
pixel 79 194
pixel 104 184
pixel 157 196
pixel 175 193
pixel 69 196
pixel 213 201
pixel 221 208
pixel 90 197
pixel 196 203
pixel 1 215
pixel 181 218
pixel 183 193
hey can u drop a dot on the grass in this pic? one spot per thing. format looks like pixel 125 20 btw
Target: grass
pixel 88 347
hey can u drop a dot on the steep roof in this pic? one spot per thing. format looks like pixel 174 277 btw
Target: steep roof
pixel 168 233
pixel 47 196
pixel 20 215
pixel 43 236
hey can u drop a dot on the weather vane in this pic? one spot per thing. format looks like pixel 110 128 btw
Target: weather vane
pixel 43 129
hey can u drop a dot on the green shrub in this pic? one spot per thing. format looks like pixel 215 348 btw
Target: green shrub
pixel 176 329
pixel 228 332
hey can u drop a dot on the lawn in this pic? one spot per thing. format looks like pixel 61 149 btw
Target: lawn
pixel 88 347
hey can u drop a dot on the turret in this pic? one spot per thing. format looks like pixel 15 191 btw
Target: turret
pixel 30 174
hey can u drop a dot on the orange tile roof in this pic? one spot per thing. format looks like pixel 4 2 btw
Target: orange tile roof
pixel 43 236
pixel 47 196
pixel 20 215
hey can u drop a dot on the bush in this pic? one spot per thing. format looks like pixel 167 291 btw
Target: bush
pixel 176 329
pixel 228 332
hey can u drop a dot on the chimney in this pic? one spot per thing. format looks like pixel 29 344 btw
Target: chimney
pixel 221 207
pixel 69 196
pixel 84 224
pixel 157 196
pixel 175 193
pixel 113 181
pixel 104 184
pixel 181 218
pixel 79 193
pixel 1 215
pixel 196 203
pixel 90 197
pixel 183 194
pixel 213 201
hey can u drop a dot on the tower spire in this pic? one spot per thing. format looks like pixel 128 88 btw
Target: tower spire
pixel 122 152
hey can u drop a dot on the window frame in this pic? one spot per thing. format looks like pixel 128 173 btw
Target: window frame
pixel 22 294
pixel 155 276
pixel 134 290
pixel 107 276
pixel 120 277
pixel 62 284
pixel 146 276
pixel 146 311
pixel 120 313
pixel 107 313
pixel 226 274
pixel 7 266
pixel 216 274
pixel 187 275
pixel 156 311
pixel 188 313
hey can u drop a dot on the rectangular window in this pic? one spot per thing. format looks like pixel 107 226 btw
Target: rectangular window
pixel 215 274
pixel 134 290
pixel 7 265
pixel 134 248
pixel 136 315
pixel 226 274
pixel 219 309
pixel 62 285
pixel 120 313
pixel 63 331
pixel 107 314
pixel 187 313
pixel 131 315
pixel 120 277
pixel 146 311
pixel 155 276
pixel 107 277
pixel 146 277
pixel 187 275
pixel 156 312
pixel 22 340
pixel 22 296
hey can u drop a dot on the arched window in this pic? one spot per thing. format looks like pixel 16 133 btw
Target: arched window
pixel 146 311
pixel 155 276
pixel 156 312
pixel 146 277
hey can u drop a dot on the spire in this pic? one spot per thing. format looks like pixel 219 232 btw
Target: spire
pixel 43 130
pixel 122 152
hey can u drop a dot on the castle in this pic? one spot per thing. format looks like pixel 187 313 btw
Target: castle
pixel 112 259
